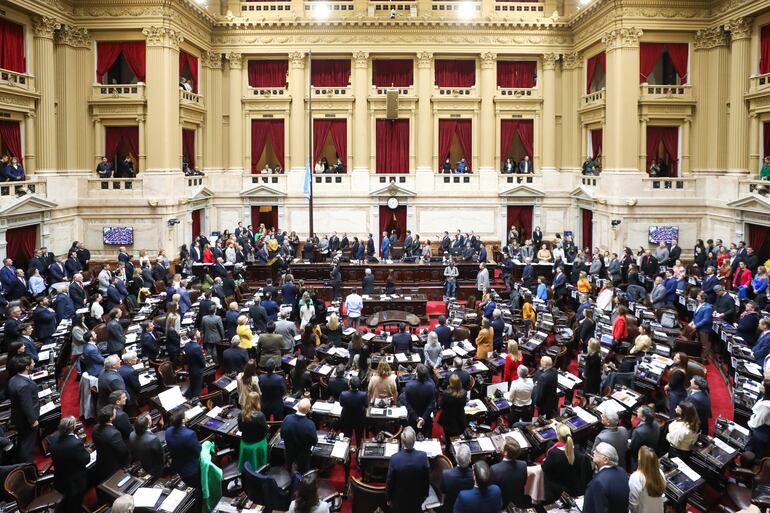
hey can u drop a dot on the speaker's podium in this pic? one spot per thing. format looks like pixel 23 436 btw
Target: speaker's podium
pixel 396 251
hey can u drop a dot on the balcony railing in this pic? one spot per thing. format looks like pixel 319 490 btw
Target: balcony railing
pixel 13 79
pixel 276 182
pixel 666 91
pixel 385 8
pixel 118 92
pixel 518 92
pixel 520 7
pixel 129 186
pixel 268 92
pixel 190 98
pixel 595 98
pixel 323 8
pixel 377 181
pixel 508 181
pixel 590 181
pixel 760 81
pixel 754 186
pixel 333 184
pixel 265 7
pixel 464 183
pixel 455 6
pixel 668 184
pixel 455 92
pixel 333 92
pixel 402 91
pixel 195 181
pixel 19 189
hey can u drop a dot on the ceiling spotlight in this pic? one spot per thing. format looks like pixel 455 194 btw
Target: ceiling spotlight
pixel 202 3
pixel 321 10
pixel 466 10
pixel 584 2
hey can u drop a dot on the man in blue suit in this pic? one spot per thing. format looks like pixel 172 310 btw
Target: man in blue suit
pixel 57 273
pixel 408 480
pixel 420 401
pixel 114 297
pixel 498 329
pixel 185 450
pixel 299 436
pixel 63 306
pixel 608 490
pixel 385 247
pixel 7 274
pixel 444 332
pixel 702 321
pixel 93 361
pixel 709 282
pixel 559 284
pixel 402 341
pixel 354 403
pixel 762 348
pixel 196 364
pixel 149 341
pixel 45 321
pixel 455 480
pixel 525 166
pixel 485 497
pixel 30 348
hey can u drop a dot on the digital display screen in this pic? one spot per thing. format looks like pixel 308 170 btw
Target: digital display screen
pixel 118 235
pixel 658 234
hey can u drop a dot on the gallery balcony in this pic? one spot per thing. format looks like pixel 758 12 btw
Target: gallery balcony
pixel 269 9
pixel 190 99
pixel 518 93
pixel 520 9
pixel 11 191
pixel 666 94
pixel 595 99
pixel 14 80
pixel 114 188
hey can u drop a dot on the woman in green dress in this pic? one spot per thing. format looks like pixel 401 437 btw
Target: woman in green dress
pixel 253 427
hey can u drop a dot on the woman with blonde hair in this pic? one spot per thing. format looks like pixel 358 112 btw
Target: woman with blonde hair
pixel 592 373
pixel 382 385
pixel 432 351
pixel 306 310
pixel 484 340
pixel 253 426
pixel 563 467
pixel 332 331
pixel 248 382
pixel 512 361
pixel 244 333
pixel 647 484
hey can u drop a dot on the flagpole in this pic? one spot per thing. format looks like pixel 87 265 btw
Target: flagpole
pixel 311 164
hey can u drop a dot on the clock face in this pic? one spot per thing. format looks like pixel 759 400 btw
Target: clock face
pixel 392 203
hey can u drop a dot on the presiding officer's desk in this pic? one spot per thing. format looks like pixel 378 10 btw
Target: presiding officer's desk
pixel 141 485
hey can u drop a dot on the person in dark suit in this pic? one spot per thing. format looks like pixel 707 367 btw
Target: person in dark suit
pixel 528 274
pixel 149 341
pixel 30 348
pixel 724 305
pixel 354 403
pixel 63 306
pixel 72 265
pixel 131 380
pixel 608 490
pixel 44 319
pixel 159 272
pixel 748 324
pixel 674 253
pixel 443 332
pixel 338 383
pixel 234 358
pixel 485 497
pixel 109 380
pixel 559 284
pixel 710 280
pixel 699 397
pixel 408 478
pixel 465 377
pixel 57 273
pixel 11 327
pixel 453 401
pixel 93 361
pixel 258 316
pixel 647 432
pixel 185 450
pixel 457 479
pixel 69 457
pixel 78 292
pixel 116 338
pixel 18 287
pixel 231 320
pixel 511 475
pixel 299 436
pixel 25 408
pixel 111 450
pixel 196 364
pixel 145 446
pixel 122 423
pixel 544 395
pixel 367 283
pixel 273 387
pixel 402 341
pixel 420 401
pixel 104 168
pixel 125 168
pixel 525 168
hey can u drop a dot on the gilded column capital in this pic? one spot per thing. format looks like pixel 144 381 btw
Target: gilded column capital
pixel 140 119
pixel 212 60
pixel 550 60
pixel 739 28
pixel 424 59
pixel 360 59
pixel 710 38
pixel 234 60
pixel 162 36
pixel 622 38
pixel 297 60
pixel 488 60
pixel 43 26
pixel 30 115
pixel 572 60
pixel 76 37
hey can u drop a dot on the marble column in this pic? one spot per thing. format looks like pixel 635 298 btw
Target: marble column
pixel 571 153
pixel 235 110
pixel 548 128
pixel 361 153
pixel 298 126
pixel 43 29
pixel 424 130
pixel 487 119
pixel 30 129
pixel 212 127
pixel 740 70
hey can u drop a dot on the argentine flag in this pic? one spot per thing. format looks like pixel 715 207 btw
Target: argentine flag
pixel 308 177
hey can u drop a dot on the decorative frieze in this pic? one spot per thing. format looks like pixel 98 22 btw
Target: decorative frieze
pixel 572 60
pixel 739 28
pixel 76 37
pixel 711 38
pixel 622 38
pixel 550 60
pixel 43 26
pixel 234 60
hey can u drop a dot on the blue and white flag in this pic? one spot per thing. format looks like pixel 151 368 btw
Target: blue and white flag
pixel 308 177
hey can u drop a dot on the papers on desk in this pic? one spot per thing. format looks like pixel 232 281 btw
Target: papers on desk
pixel 349 331
pixel 231 386
pixel 486 444
pixel 173 501
pixel 92 458
pixel 45 408
pixel 328 408
pixel 519 437
pixel 580 412
pixel 404 358
pixel 567 380
pixel 725 447
pixel 147 497
pixel 145 379
pixel 213 412
pixel 479 367
pixel 432 501
pixel 131 338
pixel 475 406
pixel 690 473
pixel 38 375
pixel 43 355
pixel 339 351
pixel 447 353
pixel 81 311
pixel 753 368
pixel 325 370
pixel 193 412
pixel 368 336
pixel 399 412
pixel 171 398
pixel 625 398
pixel 391 449
pixel 502 387
pixel 44 393
pixel 377 411
pixel 340 450
pixel 47 347
pixel 611 405
pixel 431 446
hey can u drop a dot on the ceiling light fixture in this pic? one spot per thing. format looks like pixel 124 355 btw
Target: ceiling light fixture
pixel 466 10
pixel 321 10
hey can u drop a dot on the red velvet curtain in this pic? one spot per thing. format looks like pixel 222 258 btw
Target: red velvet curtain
pixel 21 244
pixel 117 136
pixel 600 60
pixel 12 47
pixel 10 134
pixel 261 129
pixel 255 217
pixel 649 54
pixel 764 50
pixel 465 136
pixel 669 136
pixel 188 146
pixel 447 129
pixel 330 72
pixel 393 219
pixel 107 52
pixel 196 223
pixel 523 128
pixel 268 73
pixel 455 73
pixel 521 217
pixel 597 137
pixel 759 239
pixel 766 139
pixel 276 137
pixel 392 72
pixel 392 151
pixel 516 74
pixel 338 130
pixel 192 65
pixel 274 218
pixel 679 54
pixel 587 227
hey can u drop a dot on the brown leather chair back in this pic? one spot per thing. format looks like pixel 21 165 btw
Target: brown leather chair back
pixel 695 369
pixel 20 484
pixel 461 333
pixel 438 466
pixel 367 498
pixel 166 374
pixel 100 330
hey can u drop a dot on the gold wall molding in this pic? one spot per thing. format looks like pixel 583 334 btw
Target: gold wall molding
pixel 550 60
pixel 622 38
pixel 44 26
pixel 739 28
pixel 711 38
pixel 424 59
pixel 360 59
pixel 572 60
pixel 212 60
pixel 76 37
pixel 234 60
pixel 488 60
pixel 297 60
pixel 163 36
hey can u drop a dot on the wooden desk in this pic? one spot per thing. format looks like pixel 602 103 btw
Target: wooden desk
pixel 416 304
pixel 392 317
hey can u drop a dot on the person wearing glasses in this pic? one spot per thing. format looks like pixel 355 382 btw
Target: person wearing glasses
pixel 608 491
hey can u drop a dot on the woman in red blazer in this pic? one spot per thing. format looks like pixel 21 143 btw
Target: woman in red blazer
pixel 208 255
pixel 512 361
pixel 620 325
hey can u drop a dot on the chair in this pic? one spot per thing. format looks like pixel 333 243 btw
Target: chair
pixel 695 369
pixel 100 330
pixel 23 484
pixel 263 489
pixel 757 493
pixel 212 399
pixel 326 491
pixel 168 377
pixel 461 333
pixel 438 466
pixel 367 498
